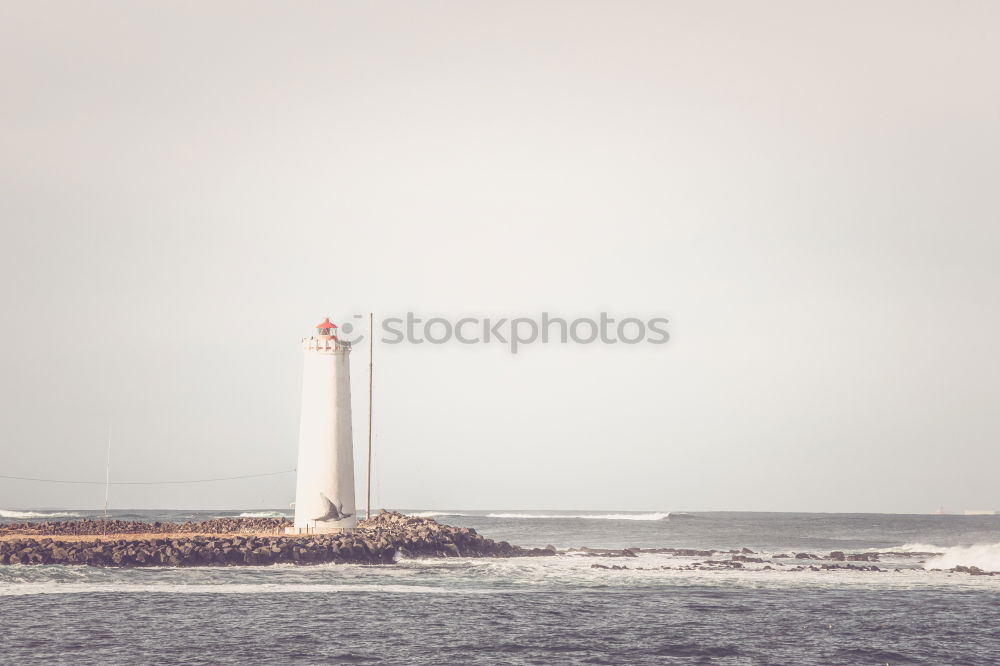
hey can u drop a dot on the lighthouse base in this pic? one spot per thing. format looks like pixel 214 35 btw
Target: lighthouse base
pixel 319 530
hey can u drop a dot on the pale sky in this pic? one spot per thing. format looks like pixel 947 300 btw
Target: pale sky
pixel 807 190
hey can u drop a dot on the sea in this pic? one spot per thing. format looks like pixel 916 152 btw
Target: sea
pixel 546 610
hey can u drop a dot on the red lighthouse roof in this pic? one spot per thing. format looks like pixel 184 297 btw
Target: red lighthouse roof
pixel 326 323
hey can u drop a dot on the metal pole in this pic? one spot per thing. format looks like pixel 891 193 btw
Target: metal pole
pixel 371 366
pixel 107 482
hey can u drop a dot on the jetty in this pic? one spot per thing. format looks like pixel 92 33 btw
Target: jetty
pixel 380 539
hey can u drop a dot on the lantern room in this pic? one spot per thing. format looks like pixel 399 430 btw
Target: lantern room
pixel 326 330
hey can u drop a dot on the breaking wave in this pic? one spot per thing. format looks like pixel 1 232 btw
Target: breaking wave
pixel 917 548
pixel 592 516
pixel 986 556
pixel 7 513
pixel 432 514
pixel 551 516
pixel 53 587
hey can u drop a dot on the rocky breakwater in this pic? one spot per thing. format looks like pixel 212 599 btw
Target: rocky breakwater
pixel 377 541
pixel 424 537
pixel 88 527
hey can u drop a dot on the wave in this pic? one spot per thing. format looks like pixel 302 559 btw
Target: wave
pixel 8 513
pixel 551 516
pixel 52 587
pixel 432 514
pixel 986 556
pixel 917 548
pixel 592 516
pixel 262 514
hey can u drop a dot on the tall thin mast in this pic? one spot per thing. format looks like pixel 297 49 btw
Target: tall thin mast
pixel 371 366
pixel 107 481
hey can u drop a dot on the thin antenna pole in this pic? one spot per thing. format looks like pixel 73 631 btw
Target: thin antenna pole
pixel 371 366
pixel 107 482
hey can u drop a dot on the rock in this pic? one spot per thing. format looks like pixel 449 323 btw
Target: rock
pixel 540 552
pixel 728 564
pixel 744 558
pixel 863 557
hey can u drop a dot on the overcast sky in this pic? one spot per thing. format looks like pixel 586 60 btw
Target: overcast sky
pixel 806 190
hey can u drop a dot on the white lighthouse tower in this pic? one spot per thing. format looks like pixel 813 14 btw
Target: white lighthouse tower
pixel 324 492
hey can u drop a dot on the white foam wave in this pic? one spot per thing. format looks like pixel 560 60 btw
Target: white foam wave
pixel 262 514
pixel 8 513
pixel 432 514
pixel 917 548
pixel 50 587
pixel 593 516
pixel 986 556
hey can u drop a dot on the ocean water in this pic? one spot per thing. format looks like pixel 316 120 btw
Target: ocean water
pixel 558 610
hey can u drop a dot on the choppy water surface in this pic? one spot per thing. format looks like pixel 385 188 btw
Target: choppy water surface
pixel 538 610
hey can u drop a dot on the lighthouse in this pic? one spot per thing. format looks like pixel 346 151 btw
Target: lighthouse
pixel 324 491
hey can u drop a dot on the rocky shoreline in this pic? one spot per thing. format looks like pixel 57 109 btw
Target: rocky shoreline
pixel 380 540
pixel 739 559
pixel 244 541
